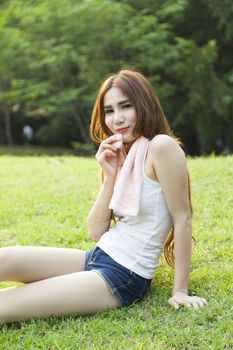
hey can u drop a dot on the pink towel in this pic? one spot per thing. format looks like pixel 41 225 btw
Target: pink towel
pixel 128 185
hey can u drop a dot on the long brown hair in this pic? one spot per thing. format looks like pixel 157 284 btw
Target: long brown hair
pixel 151 120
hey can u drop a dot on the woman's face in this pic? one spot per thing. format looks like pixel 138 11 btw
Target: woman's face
pixel 120 114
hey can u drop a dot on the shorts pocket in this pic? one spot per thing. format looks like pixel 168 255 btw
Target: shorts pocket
pixel 127 279
pixel 94 255
pixel 135 288
pixel 144 288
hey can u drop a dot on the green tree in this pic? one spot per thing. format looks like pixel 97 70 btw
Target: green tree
pixel 55 54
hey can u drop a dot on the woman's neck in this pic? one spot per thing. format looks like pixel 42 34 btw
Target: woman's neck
pixel 127 147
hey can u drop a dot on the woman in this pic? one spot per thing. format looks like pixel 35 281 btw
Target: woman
pixel 145 189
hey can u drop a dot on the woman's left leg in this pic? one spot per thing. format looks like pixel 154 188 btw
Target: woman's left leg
pixel 29 264
pixel 80 293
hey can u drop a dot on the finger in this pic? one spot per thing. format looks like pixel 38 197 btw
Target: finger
pixel 204 300
pixel 104 155
pixel 113 138
pixel 101 153
pixel 195 304
pixel 108 153
pixel 111 154
pixel 201 302
pixel 104 146
pixel 187 304
pixel 118 144
pixel 173 303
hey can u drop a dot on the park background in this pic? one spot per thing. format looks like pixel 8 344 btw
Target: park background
pixel 54 55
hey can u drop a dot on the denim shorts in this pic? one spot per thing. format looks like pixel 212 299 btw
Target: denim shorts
pixel 125 284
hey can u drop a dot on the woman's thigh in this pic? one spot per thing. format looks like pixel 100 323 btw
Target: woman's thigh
pixel 77 293
pixel 33 263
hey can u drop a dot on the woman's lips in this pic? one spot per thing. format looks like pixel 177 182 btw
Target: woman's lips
pixel 123 130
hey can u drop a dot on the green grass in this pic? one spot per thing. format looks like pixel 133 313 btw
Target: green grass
pixel 45 200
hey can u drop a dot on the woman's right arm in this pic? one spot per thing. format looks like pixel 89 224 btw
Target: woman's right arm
pixel 99 218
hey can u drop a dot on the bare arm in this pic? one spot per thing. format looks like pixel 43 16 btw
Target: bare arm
pixel 99 218
pixel 171 170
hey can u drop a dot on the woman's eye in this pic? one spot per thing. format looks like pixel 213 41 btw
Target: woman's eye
pixel 127 105
pixel 108 111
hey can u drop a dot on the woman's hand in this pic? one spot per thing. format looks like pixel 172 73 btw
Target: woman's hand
pixel 182 298
pixel 107 155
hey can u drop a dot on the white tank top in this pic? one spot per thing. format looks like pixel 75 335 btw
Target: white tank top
pixel 136 242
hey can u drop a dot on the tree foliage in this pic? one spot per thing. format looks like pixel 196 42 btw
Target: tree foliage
pixel 54 55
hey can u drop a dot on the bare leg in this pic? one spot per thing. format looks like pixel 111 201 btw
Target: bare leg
pixel 30 264
pixel 77 293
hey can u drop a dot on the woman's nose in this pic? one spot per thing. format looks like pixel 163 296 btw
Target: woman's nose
pixel 118 117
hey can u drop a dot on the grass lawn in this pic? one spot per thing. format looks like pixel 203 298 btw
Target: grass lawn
pixel 44 200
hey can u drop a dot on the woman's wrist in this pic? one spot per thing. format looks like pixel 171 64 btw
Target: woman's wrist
pixel 174 291
pixel 109 180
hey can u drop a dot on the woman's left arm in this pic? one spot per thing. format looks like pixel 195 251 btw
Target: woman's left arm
pixel 171 170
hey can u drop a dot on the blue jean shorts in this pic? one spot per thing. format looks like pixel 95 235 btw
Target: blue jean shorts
pixel 125 284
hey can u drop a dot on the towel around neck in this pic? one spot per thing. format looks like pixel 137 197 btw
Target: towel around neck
pixel 128 184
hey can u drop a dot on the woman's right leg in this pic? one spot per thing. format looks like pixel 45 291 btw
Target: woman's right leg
pixel 28 264
pixel 78 293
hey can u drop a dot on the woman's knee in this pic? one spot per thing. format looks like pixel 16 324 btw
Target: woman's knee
pixel 8 258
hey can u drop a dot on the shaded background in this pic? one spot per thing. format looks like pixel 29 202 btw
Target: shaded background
pixel 54 55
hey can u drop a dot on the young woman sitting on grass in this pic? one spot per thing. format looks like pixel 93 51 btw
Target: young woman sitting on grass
pixel 145 189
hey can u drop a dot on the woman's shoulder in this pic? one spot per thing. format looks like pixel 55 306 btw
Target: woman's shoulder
pixel 164 144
